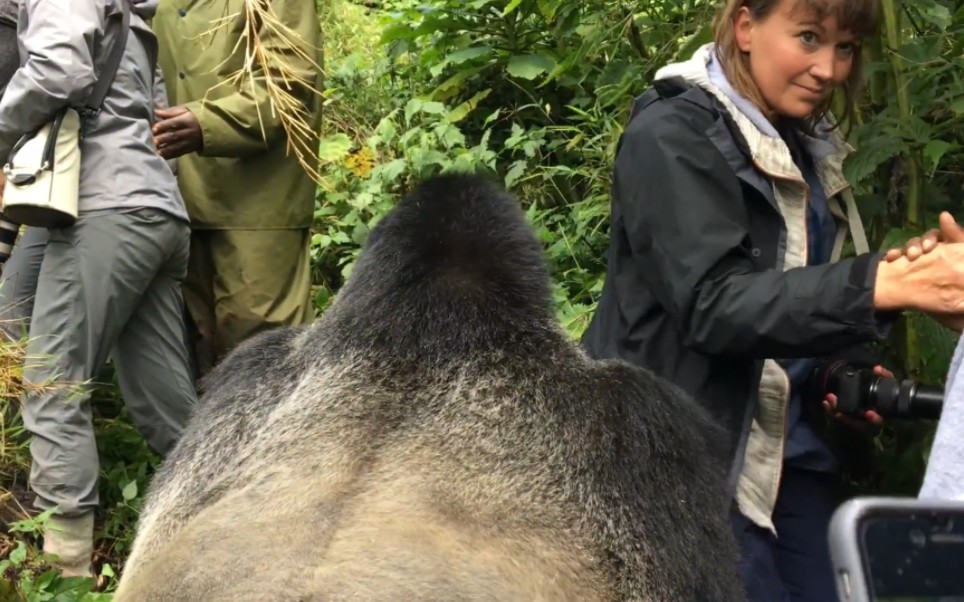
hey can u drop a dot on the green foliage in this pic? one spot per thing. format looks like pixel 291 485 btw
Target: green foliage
pixel 410 143
pixel 551 83
pixel 126 466
pixel 28 576
pixel 914 112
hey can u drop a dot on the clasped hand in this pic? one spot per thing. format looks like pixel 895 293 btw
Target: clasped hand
pixel 939 292
pixel 949 233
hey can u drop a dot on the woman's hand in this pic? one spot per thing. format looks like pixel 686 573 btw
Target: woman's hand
pixel 932 283
pixel 949 231
pixel 870 422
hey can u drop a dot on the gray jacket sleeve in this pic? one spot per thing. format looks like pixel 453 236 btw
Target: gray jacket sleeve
pixel 160 88
pixel 944 478
pixel 9 52
pixel 59 70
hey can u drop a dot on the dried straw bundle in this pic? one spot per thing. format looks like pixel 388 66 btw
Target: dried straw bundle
pixel 268 63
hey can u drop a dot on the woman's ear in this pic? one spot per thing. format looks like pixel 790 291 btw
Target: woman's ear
pixel 743 29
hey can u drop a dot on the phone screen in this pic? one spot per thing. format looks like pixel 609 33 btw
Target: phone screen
pixel 913 556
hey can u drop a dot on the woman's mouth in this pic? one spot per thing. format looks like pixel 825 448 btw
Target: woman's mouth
pixel 818 92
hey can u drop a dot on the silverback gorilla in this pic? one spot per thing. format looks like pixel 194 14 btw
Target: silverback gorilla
pixel 436 436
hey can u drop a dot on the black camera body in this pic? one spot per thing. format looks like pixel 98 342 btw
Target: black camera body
pixel 858 389
pixel 8 237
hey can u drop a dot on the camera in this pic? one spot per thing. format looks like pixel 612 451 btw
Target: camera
pixel 858 389
pixel 8 237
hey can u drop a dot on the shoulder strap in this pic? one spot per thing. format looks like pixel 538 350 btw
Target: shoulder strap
pixel 106 77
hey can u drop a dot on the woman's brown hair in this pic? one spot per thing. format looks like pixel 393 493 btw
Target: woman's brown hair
pixel 859 17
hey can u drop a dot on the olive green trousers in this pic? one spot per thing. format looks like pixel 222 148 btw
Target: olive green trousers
pixel 243 282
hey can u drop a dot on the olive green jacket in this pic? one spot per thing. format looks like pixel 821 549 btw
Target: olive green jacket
pixel 244 177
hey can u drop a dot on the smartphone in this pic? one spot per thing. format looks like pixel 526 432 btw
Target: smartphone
pixel 898 550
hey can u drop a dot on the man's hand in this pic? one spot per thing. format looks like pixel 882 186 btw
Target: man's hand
pixel 949 231
pixel 177 132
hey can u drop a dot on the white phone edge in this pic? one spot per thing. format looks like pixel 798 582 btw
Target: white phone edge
pixel 843 538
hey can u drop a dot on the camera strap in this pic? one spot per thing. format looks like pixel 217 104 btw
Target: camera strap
pixel 106 77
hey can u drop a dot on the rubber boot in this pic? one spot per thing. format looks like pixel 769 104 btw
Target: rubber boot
pixel 72 541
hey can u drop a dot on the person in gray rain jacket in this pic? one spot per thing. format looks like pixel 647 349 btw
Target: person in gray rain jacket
pixel 109 285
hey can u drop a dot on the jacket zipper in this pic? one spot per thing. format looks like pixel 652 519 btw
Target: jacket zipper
pixel 778 474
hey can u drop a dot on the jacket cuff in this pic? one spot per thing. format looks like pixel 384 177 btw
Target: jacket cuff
pixel 208 138
pixel 864 276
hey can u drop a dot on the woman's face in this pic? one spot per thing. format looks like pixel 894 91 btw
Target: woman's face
pixel 796 60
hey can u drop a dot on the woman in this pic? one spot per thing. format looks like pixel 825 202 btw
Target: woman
pixel 724 274
pixel 109 285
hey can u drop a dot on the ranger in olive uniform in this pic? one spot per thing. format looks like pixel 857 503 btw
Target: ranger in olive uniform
pixel 250 200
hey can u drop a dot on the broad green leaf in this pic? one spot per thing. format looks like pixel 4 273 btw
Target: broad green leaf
pixel 453 84
pixel 530 66
pixel 334 148
pixel 458 57
pixel 515 172
pixel 934 151
pixel 392 170
pixel 130 491
pixel 691 43
pixel 459 112
pixel 19 554
pixel 511 6
pixel 957 105
pixel 413 106
pixel 548 8
pixel 492 117
pixel 433 107
pixel 919 130
pixel 869 157
pixel 934 13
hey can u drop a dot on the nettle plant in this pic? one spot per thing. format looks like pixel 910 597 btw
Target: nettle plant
pixel 363 179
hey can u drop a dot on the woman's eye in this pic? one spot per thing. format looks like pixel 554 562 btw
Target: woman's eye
pixel 847 49
pixel 808 37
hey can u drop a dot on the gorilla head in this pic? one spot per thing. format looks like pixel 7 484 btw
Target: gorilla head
pixel 436 436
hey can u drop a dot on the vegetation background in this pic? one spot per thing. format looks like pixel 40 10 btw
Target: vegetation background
pixel 538 91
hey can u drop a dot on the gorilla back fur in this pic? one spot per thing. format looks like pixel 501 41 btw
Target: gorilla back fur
pixel 436 436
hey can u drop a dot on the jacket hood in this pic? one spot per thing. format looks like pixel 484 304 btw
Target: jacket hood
pixel 145 9
pixel 704 70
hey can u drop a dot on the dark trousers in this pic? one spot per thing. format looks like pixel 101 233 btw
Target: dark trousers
pixel 794 565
